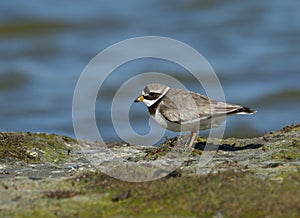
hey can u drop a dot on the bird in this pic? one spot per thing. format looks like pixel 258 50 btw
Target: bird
pixel 181 110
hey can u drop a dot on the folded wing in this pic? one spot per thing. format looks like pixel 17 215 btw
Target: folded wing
pixel 191 106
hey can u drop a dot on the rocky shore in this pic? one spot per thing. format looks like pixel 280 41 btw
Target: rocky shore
pixel 46 175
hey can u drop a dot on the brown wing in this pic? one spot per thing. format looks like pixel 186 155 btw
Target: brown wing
pixel 179 106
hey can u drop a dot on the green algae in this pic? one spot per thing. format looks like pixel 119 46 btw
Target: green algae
pixel 245 180
pixel 33 147
pixel 229 194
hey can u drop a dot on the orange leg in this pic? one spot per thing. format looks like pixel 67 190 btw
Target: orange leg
pixel 192 138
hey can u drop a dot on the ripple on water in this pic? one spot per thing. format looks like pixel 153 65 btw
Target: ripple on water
pixel 13 80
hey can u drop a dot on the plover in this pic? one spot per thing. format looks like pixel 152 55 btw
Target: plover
pixel 181 110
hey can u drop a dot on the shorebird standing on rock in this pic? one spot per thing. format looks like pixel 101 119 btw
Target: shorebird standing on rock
pixel 181 110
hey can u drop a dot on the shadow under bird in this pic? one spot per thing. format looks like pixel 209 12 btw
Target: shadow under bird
pixel 182 110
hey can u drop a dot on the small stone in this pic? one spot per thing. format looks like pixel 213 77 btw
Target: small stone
pixel 121 196
pixel 33 154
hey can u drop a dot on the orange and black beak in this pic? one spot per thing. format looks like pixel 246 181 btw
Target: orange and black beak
pixel 139 99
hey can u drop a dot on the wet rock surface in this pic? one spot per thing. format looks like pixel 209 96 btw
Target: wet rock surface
pixel 39 166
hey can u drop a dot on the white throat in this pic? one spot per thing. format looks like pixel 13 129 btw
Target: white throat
pixel 149 103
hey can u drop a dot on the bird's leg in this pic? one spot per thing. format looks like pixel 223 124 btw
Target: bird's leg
pixel 192 138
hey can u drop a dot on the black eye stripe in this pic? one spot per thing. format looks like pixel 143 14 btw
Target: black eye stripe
pixel 152 96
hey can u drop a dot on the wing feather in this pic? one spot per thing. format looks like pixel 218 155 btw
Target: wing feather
pixel 179 106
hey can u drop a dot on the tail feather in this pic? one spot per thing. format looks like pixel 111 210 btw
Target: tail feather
pixel 243 110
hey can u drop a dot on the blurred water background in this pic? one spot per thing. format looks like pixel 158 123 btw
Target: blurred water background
pixel 253 46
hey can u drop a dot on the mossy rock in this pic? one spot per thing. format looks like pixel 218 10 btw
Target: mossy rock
pixel 252 177
pixel 34 147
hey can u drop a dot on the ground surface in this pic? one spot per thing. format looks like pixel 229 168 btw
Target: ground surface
pixel 45 175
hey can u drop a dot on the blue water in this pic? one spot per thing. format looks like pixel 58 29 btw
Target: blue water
pixel 45 45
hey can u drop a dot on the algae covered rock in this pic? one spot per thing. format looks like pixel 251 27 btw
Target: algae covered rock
pixel 47 175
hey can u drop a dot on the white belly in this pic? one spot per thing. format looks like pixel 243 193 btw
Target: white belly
pixel 197 124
